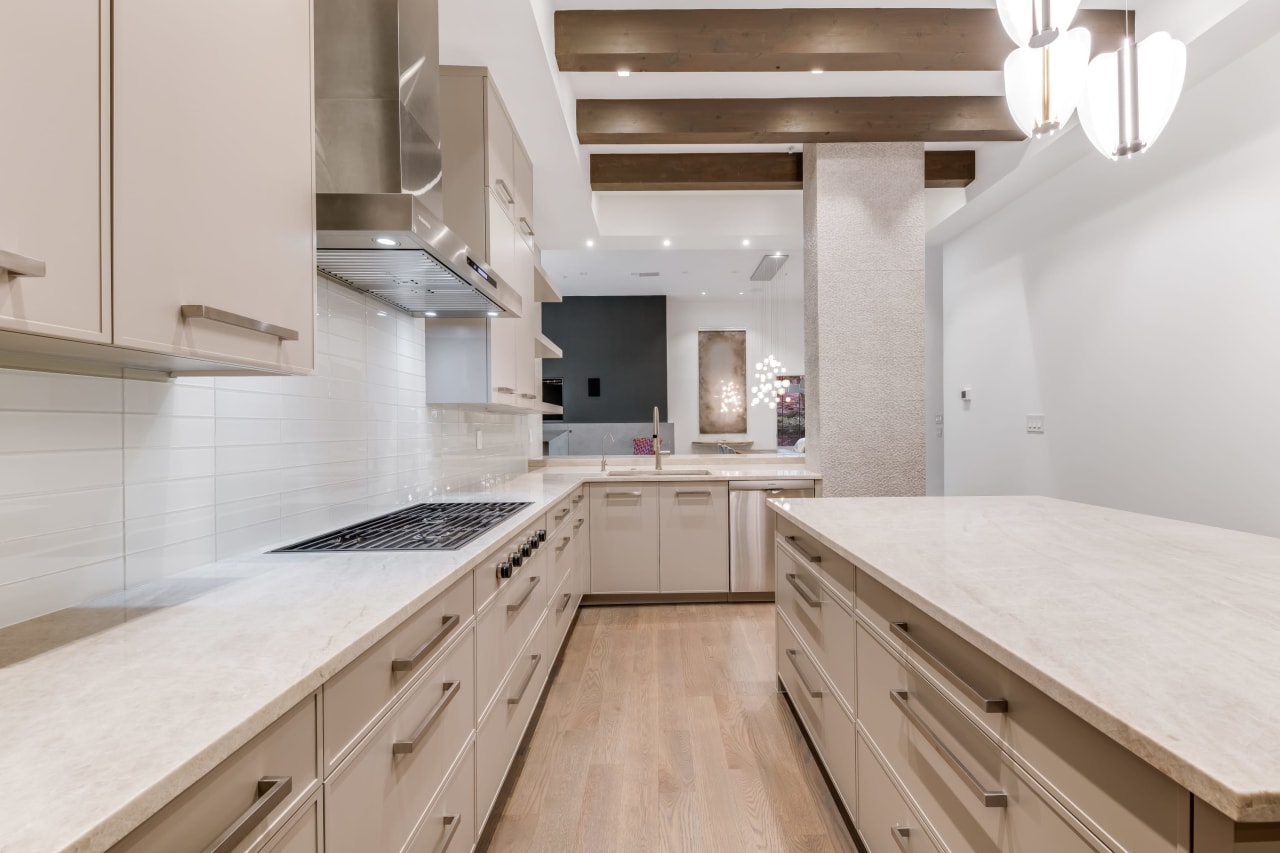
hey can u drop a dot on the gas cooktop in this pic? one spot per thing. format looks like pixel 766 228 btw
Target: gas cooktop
pixel 421 527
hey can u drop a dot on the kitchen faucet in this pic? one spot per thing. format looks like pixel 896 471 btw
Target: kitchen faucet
pixel 657 442
pixel 604 464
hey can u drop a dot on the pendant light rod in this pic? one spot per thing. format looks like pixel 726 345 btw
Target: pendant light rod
pixel 1042 31
pixel 1130 127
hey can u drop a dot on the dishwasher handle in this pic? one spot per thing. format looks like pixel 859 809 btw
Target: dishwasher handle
pixel 773 485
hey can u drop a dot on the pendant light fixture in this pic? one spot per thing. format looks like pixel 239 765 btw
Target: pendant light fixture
pixel 769 386
pixel 1130 95
pixel 1044 85
pixel 1036 23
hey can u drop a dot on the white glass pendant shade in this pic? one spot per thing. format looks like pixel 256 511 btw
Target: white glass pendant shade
pixel 770 387
pixel 1036 23
pixel 1044 85
pixel 1130 95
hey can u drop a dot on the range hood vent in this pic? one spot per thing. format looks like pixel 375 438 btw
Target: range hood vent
pixel 379 222
pixel 769 266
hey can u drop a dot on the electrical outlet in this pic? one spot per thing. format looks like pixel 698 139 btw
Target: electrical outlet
pixel 1035 424
pixel 479 439
pixel 937 419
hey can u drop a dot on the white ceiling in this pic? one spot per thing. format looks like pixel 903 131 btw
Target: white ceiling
pixel 681 274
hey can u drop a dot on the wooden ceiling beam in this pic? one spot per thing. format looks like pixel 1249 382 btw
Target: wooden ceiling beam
pixel 751 171
pixel 795 120
pixel 797 39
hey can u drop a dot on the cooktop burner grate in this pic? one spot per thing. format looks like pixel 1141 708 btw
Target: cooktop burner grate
pixel 421 527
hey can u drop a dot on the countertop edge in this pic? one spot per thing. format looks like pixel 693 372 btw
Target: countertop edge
pixel 1242 807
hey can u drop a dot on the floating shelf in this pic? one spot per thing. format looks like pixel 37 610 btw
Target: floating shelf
pixel 544 348
pixel 543 289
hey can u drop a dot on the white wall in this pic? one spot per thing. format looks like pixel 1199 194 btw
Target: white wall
pixel 1136 305
pixel 107 483
pixel 685 318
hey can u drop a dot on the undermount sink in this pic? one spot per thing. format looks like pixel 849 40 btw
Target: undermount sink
pixel 666 472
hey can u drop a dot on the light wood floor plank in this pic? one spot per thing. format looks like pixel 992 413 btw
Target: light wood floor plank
pixel 663 732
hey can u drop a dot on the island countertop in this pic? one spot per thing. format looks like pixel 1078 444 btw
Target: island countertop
pixel 1162 634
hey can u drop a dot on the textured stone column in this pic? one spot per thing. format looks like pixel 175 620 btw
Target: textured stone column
pixel 864 292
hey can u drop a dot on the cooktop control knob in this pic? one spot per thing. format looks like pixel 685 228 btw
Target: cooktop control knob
pixel 504 570
pixel 526 550
pixel 534 543
pixel 542 535
pixel 516 559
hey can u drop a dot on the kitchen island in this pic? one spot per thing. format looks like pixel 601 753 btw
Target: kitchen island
pixel 1156 639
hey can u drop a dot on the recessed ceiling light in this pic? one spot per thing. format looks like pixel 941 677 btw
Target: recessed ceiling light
pixel 816 71
pixel 385 241
pixel 382 313
pixel 740 293
pixel 746 242
pixel 493 313
pixel 666 242
pixel 432 314
pixel 591 244
pixel 704 293
pixel 624 72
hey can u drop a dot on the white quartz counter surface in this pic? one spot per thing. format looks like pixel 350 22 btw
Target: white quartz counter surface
pixel 1162 634
pixel 110 709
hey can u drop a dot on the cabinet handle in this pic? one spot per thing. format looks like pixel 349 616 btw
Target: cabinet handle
pixel 989 799
pixel 564 543
pixel 802 551
pixel 623 494
pixel 217 315
pixel 694 493
pixel 902 835
pixel 568 596
pixel 529 396
pixel 447 624
pixel 528 229
pixel 990 705
pixel 563 513
pixel 271 792
pixel 515 700
pixel 533 582
pixel 505 190
pixel 404 747
pixel 451 823
pixel 577 499
pixel 14 265
pixel 813 694
pixel 503 390
pixel 809 598
pixel 577 524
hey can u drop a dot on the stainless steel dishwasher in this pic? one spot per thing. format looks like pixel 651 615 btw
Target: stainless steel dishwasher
pixel 751 554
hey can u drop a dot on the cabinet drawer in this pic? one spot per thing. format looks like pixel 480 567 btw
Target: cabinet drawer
pixel 563 551
pixel 302 834
pixel 376 798
pixel 966 787
pixel 834 569
pixel 561 512
pixel 200 815
pixel 888 824
pixel 504 627
pixel 560 610
pixel 501 729
pixel 356 697
pixel 1122 798
pixel 449 826
pixel 624 538
pixel 488 582
pixel 820 619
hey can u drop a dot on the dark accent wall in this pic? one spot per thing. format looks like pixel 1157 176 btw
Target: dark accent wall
pixel 622 341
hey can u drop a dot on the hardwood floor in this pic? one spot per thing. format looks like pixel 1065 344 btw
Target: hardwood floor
pixel 664 731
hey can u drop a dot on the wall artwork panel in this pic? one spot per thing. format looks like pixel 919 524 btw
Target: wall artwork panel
pixel 722 382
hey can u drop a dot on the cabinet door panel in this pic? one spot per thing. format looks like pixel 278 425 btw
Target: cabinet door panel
pixel 524 195
pixel 522 281
pixel 694 520
pixel 51 156
pixel 500 136
pixel 213 186
pixel 624 538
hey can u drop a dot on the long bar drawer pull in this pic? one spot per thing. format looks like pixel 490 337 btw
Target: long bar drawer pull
pixel 217 315
pixel 902 835
pixel 577 499
pixel 564 543
pixel 506 192
pixel 563 513
pixel 795 543
pixel 809 598
pixel 795 662
pixel 451 824
pixel 533 583
pixel 447 624
pixel 991 705
pixel 694 493
pixel 989 799
pixel 528 229
pixel 502 389
pixel 272 791
pixel 404 747
pixel 623 494
pixel 13 264
pixel 515 700
pixel 564 602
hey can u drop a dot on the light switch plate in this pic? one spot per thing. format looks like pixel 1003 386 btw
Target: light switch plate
pixel 1035 424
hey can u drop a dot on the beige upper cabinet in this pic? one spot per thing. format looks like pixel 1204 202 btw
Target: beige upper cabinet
pixel 213 189
pixel 53 69
pixel 524 195
pixel 500 136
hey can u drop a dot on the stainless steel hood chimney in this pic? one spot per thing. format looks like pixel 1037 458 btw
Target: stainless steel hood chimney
pixel 379 219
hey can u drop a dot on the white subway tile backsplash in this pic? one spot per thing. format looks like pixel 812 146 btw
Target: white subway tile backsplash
pixel 108 482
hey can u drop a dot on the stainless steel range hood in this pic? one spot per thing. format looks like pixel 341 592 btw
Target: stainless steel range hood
pixel 379 219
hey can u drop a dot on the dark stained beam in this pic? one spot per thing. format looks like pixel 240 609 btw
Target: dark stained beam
pixel 795 120
pixel 762 171
pixel 797 39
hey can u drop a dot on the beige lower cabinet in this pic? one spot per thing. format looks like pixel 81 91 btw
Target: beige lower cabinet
pixel 449 826
pixel 257 789
pixel 624 538
pixel 693 520
pixel 304 833
pixel 888 824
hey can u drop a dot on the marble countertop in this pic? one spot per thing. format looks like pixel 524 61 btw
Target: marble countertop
pixel 110 709
pixel 1162 634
